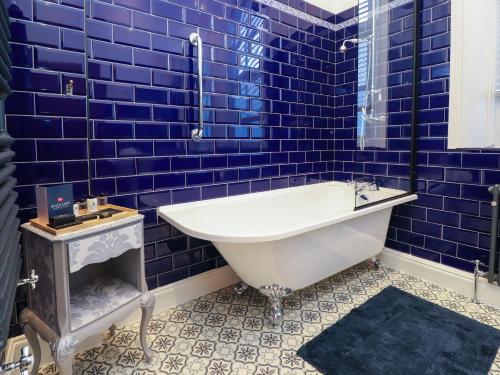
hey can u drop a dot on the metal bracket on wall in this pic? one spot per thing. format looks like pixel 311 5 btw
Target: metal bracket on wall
pixel 22 365
pixel 31 280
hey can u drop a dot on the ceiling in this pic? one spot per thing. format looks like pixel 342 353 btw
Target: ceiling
pixel 334 6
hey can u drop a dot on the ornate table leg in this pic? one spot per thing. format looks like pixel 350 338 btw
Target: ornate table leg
pixel 275 294
pixel 241 288
pixel 63 354
pixel 147 305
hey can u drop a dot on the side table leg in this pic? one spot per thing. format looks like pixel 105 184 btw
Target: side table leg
pixel 63 354
pixel 147 305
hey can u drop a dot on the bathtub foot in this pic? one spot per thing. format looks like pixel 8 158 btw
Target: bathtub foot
pixel 241 288
pixel 275 294
pixel 376 263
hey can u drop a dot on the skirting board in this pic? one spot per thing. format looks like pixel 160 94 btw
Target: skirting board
pixel 166 297
pixel 459 281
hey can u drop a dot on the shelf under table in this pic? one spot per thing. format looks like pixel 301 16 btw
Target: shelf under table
pixel 97 298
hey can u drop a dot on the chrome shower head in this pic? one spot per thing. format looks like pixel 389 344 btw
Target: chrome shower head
pixel 343 47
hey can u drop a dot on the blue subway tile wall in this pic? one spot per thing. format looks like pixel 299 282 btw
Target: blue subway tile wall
pixel 269 109
pixel 280 111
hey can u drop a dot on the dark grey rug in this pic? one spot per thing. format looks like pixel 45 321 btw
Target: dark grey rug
pixel 398 333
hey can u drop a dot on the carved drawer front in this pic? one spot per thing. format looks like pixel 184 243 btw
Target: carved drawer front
pixel 100 248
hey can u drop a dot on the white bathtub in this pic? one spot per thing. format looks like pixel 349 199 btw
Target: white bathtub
pixel 288 239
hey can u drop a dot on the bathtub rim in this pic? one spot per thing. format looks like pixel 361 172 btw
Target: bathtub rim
pixel 165 211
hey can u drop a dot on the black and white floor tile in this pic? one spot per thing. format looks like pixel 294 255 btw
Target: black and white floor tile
pixel 224 334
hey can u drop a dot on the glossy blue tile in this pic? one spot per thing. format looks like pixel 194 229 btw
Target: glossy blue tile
pixel 150 59
pixel 111 52
pixel 103 149
pixel 38 173
pixel 225 26
pixel 108 91
pixel 167 10
pixel 237 15
pixel 134 184
pixel 198 18
pixel 184 163
pixel 59 60
pixel 101 110
pixel 99 30
pixel 74 128
pixel 131 37
pixel 143 5
pixel 150 95
pixel 51 13
pixel 113 130
pixel 123 73
pixel 170 180
pixel 109 13
pixel 168 114
pixel 153 165
pixel 134 148
pixel 180 30
pixel 186 195
pixel 34 33
pixel 115 167
pixel 166 44
pixel 35 80
pixel 99 70
pixel 34 127
pixel 58 105
pixel 132 112
pixel 21 9
pixel 61 150
pixel 72 40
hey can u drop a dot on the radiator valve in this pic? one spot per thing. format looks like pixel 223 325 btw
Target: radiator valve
pixel 22 365
pixel 31 280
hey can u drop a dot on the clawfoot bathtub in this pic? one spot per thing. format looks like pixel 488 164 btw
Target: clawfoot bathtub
pixel 284 240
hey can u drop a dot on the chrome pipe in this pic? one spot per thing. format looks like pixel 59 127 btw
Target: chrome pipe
pixel 195 40
pixel 492 277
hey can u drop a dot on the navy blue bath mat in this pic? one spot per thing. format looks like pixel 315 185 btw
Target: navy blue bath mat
pixel 398 333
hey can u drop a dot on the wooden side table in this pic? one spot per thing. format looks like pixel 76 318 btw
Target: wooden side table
pixel 88 280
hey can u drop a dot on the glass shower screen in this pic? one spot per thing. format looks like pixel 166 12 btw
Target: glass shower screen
pixel 384 96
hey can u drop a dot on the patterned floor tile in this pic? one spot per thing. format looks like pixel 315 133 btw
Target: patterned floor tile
pixel 223 333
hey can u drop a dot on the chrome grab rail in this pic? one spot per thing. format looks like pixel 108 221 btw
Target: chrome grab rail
pixel 195 40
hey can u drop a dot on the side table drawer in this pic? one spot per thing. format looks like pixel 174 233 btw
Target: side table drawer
pixel 99 248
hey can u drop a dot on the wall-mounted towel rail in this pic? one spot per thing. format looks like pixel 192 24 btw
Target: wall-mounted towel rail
pixel 494 265
pixel 195 40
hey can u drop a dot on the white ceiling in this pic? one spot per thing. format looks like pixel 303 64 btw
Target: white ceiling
pixel 334 6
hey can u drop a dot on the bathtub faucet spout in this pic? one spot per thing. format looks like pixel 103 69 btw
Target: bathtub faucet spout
pixel 275 294
pixel 361 185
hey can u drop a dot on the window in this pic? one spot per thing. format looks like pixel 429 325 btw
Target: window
pixel 474 117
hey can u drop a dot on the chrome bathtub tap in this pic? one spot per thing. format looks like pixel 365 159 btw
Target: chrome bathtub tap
pixel 361 185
